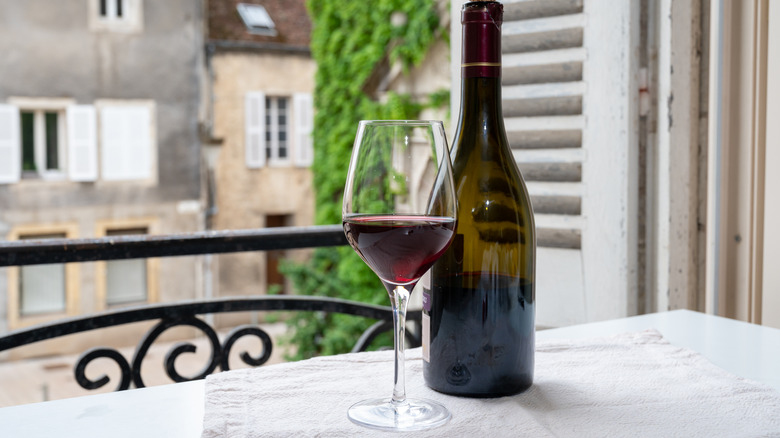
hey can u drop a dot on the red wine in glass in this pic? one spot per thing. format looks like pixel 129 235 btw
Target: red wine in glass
pixel 399 249
pixel 399 214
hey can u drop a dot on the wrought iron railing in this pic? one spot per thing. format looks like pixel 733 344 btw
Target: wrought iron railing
pixel 32 252
pixel 35 252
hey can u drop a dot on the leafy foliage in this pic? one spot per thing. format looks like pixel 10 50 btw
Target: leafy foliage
pixel 349 40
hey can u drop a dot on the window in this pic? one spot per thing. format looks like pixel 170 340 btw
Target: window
pixel 54 139
pixel 276 129
pixel 115 15
pixel 256 19
pixel 126 280
pixel 40 293
pixel 42 287
pixel 33 138
pixel 47 139
pixel 129 281
pixel 111 9
pixel 274 138
pixel 42 142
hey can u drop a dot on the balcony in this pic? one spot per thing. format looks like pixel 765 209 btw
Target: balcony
pixel 195 314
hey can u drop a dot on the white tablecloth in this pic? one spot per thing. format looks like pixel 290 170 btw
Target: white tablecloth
pixel 631 385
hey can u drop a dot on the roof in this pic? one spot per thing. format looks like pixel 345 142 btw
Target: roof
pixel 290 17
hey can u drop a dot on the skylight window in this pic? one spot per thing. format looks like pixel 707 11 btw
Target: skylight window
pixel 257 19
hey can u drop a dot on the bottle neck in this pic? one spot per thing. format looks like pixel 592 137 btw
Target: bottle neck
pixel 481 103
pixel 481 65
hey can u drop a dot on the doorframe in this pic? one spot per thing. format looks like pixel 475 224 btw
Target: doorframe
pixel 736 159
pixel 770 301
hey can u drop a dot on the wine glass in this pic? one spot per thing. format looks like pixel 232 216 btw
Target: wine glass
pixel 399 215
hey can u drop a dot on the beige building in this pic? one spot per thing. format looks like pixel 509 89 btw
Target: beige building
pixel 261 113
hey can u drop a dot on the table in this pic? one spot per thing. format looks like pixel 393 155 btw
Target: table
pixel 176 410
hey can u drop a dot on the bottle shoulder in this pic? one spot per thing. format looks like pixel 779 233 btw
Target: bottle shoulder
pixel 481 154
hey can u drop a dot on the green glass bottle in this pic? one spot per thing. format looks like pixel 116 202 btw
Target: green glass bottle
pixel 478 311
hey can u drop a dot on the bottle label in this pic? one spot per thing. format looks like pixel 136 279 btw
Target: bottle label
pixel 426 337
pixel 425 282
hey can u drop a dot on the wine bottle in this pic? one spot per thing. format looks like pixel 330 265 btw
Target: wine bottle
pixel 478 310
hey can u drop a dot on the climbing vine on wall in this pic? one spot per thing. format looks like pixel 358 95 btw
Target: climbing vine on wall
pixel 348 42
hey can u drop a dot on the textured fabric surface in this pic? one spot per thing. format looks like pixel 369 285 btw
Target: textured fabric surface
pixel 630 385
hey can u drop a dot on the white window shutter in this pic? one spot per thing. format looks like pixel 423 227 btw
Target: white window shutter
pixel 126 142
pixel 139 122
pixel 304 125
pixel 10 145
pixel 82 143
pixel 112 133
pixel 255 129
pixel 543 89
pixel 574 138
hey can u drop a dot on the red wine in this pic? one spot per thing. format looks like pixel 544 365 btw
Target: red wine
pixel 478 315
pixel 481 336
pixel 399 249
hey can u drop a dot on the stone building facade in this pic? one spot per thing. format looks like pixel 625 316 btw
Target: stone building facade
pixel 99 110
pixel 261 119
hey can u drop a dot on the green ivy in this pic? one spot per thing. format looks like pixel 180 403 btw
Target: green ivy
pixel 349 40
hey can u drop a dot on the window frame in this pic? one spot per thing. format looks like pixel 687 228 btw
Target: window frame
pixel 16 319
pixel 39 107
pixel 248 11
pixel 114 9
pixel 273 131
pixel 41 147
pixel 131 20
pixel 259 107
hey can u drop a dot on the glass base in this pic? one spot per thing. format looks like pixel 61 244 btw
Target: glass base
pixel 413 414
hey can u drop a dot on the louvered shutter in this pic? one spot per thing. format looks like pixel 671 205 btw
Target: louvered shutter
pixel 82 143
pixel 255 129
pixel 304 124
pixel 568 88
pixel 542 101
pixel 10 145
pixel 126 142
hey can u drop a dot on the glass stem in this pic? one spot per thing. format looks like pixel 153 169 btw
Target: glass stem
pixel 399 298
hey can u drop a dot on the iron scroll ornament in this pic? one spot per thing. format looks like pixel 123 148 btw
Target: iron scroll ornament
pixel 184 314
pixel 131 373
